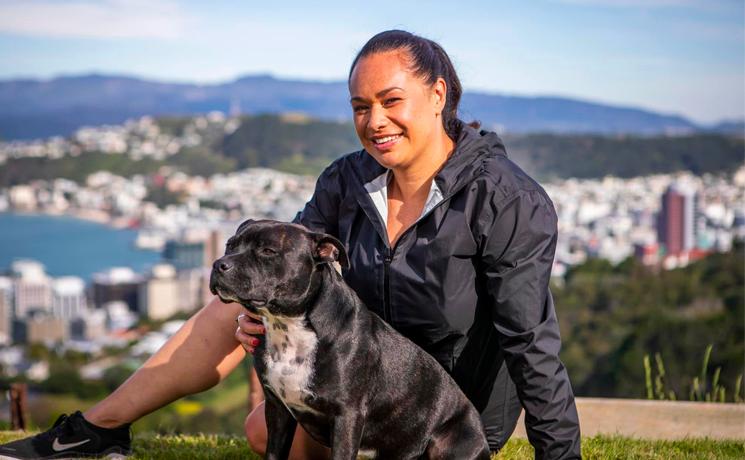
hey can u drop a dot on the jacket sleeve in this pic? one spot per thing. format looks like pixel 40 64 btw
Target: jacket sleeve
pixel 517 252
pixel 321 213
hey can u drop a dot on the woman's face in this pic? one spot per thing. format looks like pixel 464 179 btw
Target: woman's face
pixel 396 113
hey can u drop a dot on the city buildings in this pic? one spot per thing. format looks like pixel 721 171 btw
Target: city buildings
pixel 665 220
pixel 676 227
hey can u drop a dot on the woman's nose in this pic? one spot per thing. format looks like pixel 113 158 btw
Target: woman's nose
pixel 378 119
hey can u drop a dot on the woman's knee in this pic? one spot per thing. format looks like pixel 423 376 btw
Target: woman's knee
pixel 255 428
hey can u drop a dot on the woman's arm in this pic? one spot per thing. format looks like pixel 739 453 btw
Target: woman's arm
pixel 517 255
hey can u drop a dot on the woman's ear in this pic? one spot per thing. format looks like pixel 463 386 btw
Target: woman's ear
pixel 329 249
pixel 439 94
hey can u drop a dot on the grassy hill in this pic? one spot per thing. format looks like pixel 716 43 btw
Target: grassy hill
pixel 306 146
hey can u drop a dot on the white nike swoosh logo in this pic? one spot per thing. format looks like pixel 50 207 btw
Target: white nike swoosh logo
pixel 58 446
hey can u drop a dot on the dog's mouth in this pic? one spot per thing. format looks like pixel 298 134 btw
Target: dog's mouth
pixel 224 295
pixel 227 296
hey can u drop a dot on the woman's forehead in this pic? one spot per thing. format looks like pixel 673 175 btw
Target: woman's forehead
pixel 381 71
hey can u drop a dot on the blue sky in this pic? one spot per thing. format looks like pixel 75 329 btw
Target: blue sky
pixel 673 56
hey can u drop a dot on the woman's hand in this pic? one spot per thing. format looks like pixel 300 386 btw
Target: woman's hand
pixel 249 325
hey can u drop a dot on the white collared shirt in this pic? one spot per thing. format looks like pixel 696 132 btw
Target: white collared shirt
pixel 377 189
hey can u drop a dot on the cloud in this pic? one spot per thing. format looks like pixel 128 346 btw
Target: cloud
pixel 162 19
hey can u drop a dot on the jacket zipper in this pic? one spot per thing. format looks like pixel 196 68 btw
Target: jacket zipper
pixel 388 257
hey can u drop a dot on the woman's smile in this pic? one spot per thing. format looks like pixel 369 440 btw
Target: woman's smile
pixel 386 143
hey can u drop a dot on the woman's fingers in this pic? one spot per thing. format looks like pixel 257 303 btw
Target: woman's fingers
pixel 250 324
pixel 247 329
pixel 249 342
pixel 252 315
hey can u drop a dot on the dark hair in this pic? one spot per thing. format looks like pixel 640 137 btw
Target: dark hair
pixel 428 61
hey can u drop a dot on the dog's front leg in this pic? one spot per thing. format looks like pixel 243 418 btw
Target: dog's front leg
pixel 347 434
pixel 280 427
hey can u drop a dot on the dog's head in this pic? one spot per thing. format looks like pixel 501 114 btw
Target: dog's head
pixel 268 266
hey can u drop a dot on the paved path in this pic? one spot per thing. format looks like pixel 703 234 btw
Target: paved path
pixel 657 419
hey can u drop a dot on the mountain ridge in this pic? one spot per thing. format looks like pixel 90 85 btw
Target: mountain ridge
pixel 33 108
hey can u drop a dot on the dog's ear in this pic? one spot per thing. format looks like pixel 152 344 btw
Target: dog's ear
pixel 329 249
pixel 243 225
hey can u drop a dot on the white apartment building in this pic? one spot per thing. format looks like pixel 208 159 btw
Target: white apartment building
pixel 159 295
pixel 68 297
pixel 6 310
pixel 31 287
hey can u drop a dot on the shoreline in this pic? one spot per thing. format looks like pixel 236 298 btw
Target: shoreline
pixel 88 215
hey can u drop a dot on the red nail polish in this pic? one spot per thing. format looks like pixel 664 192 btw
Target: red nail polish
pixel 254 342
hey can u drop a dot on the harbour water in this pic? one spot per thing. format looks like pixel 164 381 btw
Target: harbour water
pixel 69 246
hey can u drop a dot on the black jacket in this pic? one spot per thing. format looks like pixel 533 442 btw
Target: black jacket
pixel 469 281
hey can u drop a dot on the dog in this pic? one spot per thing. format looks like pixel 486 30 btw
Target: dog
pixel 327 362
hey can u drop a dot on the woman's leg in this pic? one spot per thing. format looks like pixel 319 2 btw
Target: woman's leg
pixel 197 357
pixel 303 446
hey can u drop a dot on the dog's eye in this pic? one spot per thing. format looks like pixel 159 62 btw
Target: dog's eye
pixel 267 252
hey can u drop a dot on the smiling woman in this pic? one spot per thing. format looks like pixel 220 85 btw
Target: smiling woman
pixel 449 242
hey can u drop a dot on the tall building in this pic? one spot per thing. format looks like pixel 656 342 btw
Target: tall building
pixel 31 287
pixel 184 254
pixel 159 294
pixel 6 309
pixel 676 224
pixel 68 297
pixel 190 286
pixel 119 283
pixel 214 247
pixel 195 248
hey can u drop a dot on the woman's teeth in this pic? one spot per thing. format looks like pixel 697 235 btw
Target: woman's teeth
pixel 383 140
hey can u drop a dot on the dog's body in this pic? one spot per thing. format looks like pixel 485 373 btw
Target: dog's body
pixel 344 374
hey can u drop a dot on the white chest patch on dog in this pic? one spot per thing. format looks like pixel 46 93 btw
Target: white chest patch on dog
pixel 289 357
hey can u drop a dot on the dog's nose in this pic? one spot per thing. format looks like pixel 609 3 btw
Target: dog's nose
pixel 222 265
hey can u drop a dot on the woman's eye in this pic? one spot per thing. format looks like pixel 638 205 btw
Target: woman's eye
pixel 359 109
pixel 392 100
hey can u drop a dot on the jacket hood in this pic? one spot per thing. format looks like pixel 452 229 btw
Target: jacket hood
pixel 472 147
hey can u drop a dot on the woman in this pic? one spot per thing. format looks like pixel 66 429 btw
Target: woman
pixel 448 240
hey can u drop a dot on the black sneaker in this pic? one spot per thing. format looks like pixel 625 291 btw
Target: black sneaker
pixel 72 437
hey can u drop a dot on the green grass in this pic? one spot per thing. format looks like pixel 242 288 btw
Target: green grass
pixel 152 447
pixel 617 447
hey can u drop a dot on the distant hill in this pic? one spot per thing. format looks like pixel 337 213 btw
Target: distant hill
pixel 307 146
pixel 735 127
pixel 42 108
pixel 552 156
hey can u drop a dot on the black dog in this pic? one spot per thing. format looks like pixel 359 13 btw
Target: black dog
pixel 327 362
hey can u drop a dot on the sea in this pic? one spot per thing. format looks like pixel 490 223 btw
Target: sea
pixel 69 246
